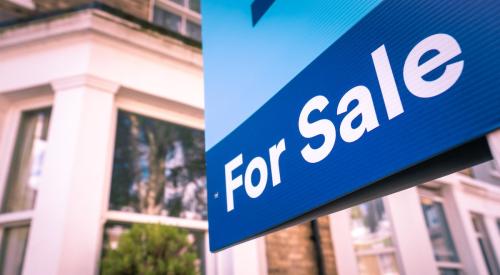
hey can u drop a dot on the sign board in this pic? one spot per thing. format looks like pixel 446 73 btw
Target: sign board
pixel 312 106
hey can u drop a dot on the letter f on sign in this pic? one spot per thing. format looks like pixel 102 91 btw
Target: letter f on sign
pixel 232 184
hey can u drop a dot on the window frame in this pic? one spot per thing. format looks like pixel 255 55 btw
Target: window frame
pixel 162 110
pixel 183 11
pixel 12 121
pixel 378 251
pixel 10 129
pixel 436 196
pixel 481 234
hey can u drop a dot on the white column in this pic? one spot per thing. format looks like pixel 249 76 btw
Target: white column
pixel 462 229
pixel 248 258
pixel 345 256
pixel 66 229
pixel 410 233
pixel 494 143
pixel 3 113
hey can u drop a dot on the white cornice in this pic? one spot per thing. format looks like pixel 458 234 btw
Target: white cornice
pixel 72 50
pixel 105 25
pixel 85 81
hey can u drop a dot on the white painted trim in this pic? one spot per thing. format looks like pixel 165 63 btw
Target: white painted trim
pixel 106 25
pixel 120 216
pixel 98 44
pixel 161 109
pixel 67 214
pixel 7 146
pixel 410 233
pixel 340 230
pixel 493 231
pixel 450 265
pixel 473 186
pixel 10 129
pixel 261 252
pixel 90 81
pixel 15 218
pixel 458 216
pixel 494 143
pixel 377 251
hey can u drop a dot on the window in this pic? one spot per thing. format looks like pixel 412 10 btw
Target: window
pixel 24 175
pixel 158 169
pixel 485 244
pixel 158 177
pixel 181 16
pixel 443 246
pixel 13 247
pixel 371 235
pixel 26 164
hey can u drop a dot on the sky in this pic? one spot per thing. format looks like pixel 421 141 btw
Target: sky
pixel 246 65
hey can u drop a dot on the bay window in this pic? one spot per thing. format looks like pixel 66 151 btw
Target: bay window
pixel 19 193
pixel 158 177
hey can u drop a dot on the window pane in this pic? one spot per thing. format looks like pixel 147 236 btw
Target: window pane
pixel 485 245
pixel 383 264
pixel 13 247
pixel 158 168
pixel 166 19
pixel 26 165
pixel 439 232
pixel 193 30
pixel 371 235
pixel 449 271
pixel 194 5
pixel 113 232
pixel 370 227
pixel 180 2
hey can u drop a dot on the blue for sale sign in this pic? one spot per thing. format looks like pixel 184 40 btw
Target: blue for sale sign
pixel 312 102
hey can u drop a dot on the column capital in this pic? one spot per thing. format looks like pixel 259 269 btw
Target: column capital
pixel 85 80
pixel 4 103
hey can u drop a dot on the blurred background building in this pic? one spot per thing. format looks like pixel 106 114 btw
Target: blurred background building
pixel 101 127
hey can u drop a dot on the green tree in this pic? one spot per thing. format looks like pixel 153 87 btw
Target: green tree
pixel 150 249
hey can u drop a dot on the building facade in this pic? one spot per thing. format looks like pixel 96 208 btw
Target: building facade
pixel 101 127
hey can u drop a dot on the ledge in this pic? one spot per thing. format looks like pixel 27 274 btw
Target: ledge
pixel 146 25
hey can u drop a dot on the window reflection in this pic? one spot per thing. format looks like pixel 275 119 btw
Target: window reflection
pixel 26 165
pixel 372 239
pixel 166 19
pixel 158 168
pixel 193 30
pixel 439 232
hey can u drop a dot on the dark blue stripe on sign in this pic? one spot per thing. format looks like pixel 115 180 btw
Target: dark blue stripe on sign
pixel 423 128
pixel 259 8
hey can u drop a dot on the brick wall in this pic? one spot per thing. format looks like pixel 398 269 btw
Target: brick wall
pixel 9 10
pixel 291 251
pixel 326 245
